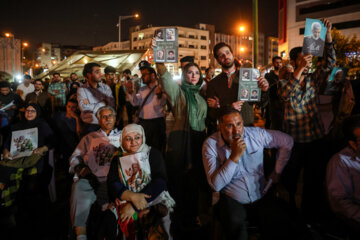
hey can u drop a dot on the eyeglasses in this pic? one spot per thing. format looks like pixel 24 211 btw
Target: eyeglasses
pixel 30 111
pixel 136 138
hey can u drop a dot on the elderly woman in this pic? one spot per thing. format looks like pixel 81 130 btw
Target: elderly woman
pixel 183 157
pixel 136 181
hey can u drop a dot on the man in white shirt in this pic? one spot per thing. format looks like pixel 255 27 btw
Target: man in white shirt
pixel 92 157
pixel 343 178
pixel 25 88
pixel 93 95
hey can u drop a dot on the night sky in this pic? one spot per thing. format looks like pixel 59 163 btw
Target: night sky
pixel 93 23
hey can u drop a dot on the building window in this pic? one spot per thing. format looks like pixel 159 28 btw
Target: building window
pixel 203 68
pixel 203 47
pixel 135 38
pixel 192 36
pixel 203 58
pixel 203 37
pixel 191 46
pixel 134 48
pixel 181 45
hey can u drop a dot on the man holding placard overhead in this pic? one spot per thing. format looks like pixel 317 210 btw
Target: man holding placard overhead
pixel 302 121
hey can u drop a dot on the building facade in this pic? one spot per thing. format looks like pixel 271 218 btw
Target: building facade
pixel 10 56
pixel 344 15
pixel 271 49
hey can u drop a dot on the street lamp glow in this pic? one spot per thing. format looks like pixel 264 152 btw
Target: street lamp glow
pixel 242 49
pixel 241 28
pixel 43 50
pixel 136 15
pixel 8 35
pixel 25 44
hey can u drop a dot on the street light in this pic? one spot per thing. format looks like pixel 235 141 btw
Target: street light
pixel 25 44
pixel 241 28
pixel 136 15
pixel 242 49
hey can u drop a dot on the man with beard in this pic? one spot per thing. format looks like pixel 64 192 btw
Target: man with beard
pixel 223 89
pixel 88 170
pixel 58 90
pixel 274 109
pixel 93 95
pixel 41 98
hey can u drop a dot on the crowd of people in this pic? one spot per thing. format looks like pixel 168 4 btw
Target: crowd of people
pixel 125 178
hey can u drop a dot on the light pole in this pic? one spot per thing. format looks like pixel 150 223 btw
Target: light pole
pixel 123 18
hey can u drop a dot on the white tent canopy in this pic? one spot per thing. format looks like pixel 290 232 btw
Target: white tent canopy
pixel 120 60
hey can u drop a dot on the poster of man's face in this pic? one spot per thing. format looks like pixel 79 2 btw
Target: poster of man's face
pixel 160 55
pixel 170 34
pixel 159 35
pixel 255 74
pixel 244 94
pixel 254 94
pixel 314 37
pixel 245 74
pixel 170 55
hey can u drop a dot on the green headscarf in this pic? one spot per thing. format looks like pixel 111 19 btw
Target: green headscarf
pixel 192 105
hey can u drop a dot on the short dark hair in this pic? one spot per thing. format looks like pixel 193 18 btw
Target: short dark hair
pixel 39 80
pixel 218 46
pixel 71 100
pixel 150 69
pixel 72 74
pixel 5 84
pixel 294 53
pixel 171 51
pixel 187 59
pixel 349 126
pixel 26 76
pixel 226 110
pixel 276 58
pixel 127 71
pixel 89 67
pixel 109 69
pixel 56 73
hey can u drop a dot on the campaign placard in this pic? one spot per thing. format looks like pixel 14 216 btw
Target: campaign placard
pixel 23 142
pixel 314 37
pixel 248 85
pixel 336 79
pixel 135 171
pixel 166 49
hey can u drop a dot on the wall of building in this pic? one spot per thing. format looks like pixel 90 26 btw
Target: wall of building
pixel 345 16
pixel 10 56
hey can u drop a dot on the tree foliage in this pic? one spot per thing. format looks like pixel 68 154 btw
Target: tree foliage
pixel 347 49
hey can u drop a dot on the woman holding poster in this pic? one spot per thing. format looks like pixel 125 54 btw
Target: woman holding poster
pixel 183 155
pixel 24 164
pixel 137 186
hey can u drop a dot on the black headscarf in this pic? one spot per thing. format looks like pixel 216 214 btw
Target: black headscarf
pixel 26 124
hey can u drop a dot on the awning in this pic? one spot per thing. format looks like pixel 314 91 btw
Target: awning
pixel 120 60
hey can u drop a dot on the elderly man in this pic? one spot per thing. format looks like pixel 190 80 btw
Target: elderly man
pixel 91 161
pixel 233 162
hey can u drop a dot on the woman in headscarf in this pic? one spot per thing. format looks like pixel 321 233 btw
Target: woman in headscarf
pixel 183 156
pixel 28 170
pixel 136 181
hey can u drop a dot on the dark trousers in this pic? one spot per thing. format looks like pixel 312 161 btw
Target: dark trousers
pixel 271 215
pixel 312 158
pixel 155 132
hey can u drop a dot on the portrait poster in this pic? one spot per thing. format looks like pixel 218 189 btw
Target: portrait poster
pixel 101 152
pixel 166 49
pixel 135 171
pixel 248 85
pixel 314 37
pixel 336 79
pixel 23 142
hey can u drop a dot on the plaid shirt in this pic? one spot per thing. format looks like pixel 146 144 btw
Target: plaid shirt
pixel 60 98
pixel 301 117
